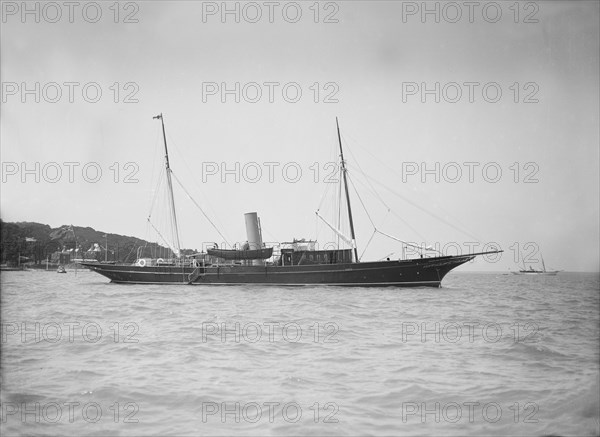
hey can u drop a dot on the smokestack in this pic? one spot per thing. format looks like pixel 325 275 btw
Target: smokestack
pixel 253 233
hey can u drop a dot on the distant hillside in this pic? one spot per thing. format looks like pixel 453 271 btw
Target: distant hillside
pixel 35 242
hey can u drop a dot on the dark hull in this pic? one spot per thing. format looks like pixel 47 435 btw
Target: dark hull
pixel 410 273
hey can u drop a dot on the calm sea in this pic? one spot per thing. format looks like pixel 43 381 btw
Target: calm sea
pixel 487 354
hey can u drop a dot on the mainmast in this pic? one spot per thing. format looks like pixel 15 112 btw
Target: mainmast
pixel 347 192
pixel 170 184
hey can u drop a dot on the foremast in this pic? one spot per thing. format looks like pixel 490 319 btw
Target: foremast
pixel 344 171
pixel 170 190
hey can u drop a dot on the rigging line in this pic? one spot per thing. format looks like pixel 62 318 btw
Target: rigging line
pixel 394 172
pixel 362 203
pixel 339 203
pixel 333 204
pixel 370 185
pixel 160 235
pixel 386 256
pixel 129 254
pixel 377 230
pixel 406 243
pixel 371 190
pixel 368 242
pixel 204 196
pixel 173 228
pixel 446 222
pixel 394 213
pixel 270 236
pixel 347 240
pixel 323 197
pixel 201 210
pixel 157 190
pixel 408 225
pixel 156 149
pixel 161 222
pixel 376 193
pixel 327 186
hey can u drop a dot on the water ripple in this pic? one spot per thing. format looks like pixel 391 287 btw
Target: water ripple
pixel 250 360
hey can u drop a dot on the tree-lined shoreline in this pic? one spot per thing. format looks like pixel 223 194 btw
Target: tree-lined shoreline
pixel 37 243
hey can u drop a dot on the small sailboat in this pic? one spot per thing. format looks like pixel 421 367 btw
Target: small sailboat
pixel 300 263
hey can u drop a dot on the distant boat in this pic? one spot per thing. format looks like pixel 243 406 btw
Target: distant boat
pixel 299 264
pixel 532 271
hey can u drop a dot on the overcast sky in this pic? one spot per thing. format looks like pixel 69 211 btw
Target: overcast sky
pixel 367 63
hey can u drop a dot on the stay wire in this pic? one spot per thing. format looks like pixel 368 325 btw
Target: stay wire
pixel 201 210
pixel 459 229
